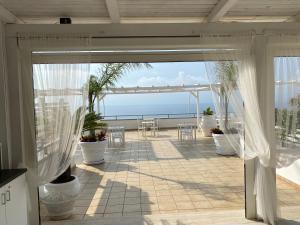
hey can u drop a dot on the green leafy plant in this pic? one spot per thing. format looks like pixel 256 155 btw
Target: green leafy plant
pixel 227 75
pixel 92 122
pixel 287 122
pixel 216 131
pixel 208 112
pixel 106 77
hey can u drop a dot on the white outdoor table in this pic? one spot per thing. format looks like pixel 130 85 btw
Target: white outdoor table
pixel 147 123
pixel 183 126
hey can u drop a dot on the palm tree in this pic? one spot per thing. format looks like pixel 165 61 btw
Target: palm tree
pixel 227 75
pixel 106 77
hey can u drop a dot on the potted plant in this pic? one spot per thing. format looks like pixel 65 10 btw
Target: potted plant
pixel 93 139
pixel 223 145
pixel 226 78
pixel 208 122
pixel 59 195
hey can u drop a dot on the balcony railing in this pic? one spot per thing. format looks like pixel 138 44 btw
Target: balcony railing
pixel 145 116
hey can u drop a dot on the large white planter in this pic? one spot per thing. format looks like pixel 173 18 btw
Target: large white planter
pixel 93 152
pixel 207 123
pixel 60 198
pixel 222 144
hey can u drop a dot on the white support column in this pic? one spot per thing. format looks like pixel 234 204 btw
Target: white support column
pixel 198 109
pixel 197 98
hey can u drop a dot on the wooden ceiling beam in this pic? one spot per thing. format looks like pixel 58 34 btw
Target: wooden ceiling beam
pixel 221 8
pixel 113 10
pixel 7 17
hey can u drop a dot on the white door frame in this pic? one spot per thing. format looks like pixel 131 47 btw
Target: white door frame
pixel 117 36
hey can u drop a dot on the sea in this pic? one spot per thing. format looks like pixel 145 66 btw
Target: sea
pixel 153 111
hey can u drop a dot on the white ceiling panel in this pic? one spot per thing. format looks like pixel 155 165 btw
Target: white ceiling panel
pixel 166 8
pixel 44 8
pixel 265 8
pixel 148 11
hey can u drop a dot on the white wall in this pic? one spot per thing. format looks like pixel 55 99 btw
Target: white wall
pixel 291 173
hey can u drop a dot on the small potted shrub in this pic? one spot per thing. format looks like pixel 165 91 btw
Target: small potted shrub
pixel 93 139
pixel 223 146
pixel 59 195
pixel 208 122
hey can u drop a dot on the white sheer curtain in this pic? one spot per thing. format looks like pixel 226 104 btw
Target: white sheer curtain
pixel 60 92
pixel 55 86
pixel 245 117
pixel 286 53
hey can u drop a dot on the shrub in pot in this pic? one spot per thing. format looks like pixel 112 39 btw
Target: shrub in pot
pixel 223 146
pixel 93 139
pixel 93 144
pixel 59 195
pixel 208 122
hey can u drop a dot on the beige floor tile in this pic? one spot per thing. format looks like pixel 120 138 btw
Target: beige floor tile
pixel 93 216
pixel 184 205
pixel 115 201
pixel 133 194
pixel 114 209
pixel 163 175
pixel 178 198
pixel 163 193
pixel 132 208
pixel 166 206
pixel 149 207
pixel 203 205
pixel 132 201
pixel 112 214
pixel 132 213
pixel 95 209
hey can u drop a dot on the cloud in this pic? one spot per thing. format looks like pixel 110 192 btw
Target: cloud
pixel 154 80
pixel 180 79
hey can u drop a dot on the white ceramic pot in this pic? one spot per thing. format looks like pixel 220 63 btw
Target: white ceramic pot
pixel 60 198
pixel 207 123
pixel 93 152
pixel 223 146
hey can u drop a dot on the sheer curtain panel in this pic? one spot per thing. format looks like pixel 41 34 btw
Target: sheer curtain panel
pixel 60 94
pixel 233 79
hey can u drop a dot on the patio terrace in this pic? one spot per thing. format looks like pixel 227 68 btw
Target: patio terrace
pixel 160 175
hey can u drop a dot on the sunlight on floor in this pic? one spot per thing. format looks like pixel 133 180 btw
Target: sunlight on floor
pixel 160 175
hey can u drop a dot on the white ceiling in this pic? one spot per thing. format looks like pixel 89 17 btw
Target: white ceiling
pixel 148 11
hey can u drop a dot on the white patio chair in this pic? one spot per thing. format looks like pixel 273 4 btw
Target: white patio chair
pixel 141 128
pixel 154 128
pixel 116 137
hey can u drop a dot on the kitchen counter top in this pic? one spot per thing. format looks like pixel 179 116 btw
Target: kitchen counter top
pixel 8 175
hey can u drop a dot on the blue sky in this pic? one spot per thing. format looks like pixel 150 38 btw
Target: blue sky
pixel 161 74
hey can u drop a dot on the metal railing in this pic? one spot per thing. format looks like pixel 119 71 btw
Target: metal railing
pixel 145 116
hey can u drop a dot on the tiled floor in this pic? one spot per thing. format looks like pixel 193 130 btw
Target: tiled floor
pixel 160 175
